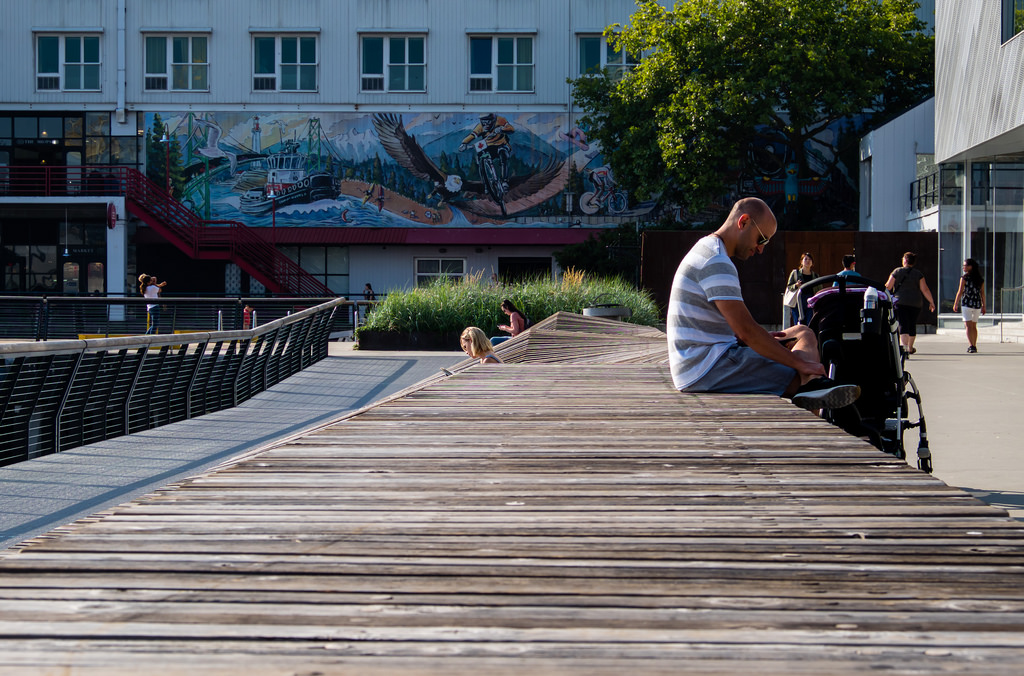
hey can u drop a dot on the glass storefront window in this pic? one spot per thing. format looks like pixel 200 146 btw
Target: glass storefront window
pixel 51 128
pixel 72 127
pixel 951 235
pixel 97 275
pixel 122 150
pixel 97 150
pixel 26 128
pixel 97 124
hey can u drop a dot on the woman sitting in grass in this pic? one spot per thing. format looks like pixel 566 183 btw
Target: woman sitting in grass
pixel 475 343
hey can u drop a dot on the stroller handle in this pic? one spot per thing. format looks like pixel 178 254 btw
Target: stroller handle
pixel 808 289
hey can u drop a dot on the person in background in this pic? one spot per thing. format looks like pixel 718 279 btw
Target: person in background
pixel 907 284
pixel 849 266
pixel 970 300
pixel 474 342
pixel 516 322
pixel 716 345
pixel 368 293
pixel 151 288
pixel 798 278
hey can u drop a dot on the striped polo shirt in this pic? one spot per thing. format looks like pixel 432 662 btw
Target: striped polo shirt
pixel 698 334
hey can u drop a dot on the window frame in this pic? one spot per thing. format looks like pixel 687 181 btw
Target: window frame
pixel 1012 19
pixel 425 278
pixel 626 63
pixel 384 77
pixel 60 76
pixel 515 66
pixel 281 67
pixel 170 65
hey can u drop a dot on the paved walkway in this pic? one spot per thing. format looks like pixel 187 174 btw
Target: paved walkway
pixel 972 403
pixel 42 494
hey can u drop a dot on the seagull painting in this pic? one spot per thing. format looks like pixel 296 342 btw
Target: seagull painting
pixel 212 149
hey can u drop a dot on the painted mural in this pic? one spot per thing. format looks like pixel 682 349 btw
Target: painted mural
pixel 386 169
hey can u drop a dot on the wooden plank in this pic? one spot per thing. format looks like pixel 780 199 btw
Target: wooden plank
pixel 568 513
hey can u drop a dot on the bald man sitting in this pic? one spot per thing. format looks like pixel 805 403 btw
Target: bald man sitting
pixel 713 341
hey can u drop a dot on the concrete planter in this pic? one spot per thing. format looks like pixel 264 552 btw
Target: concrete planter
pixel 417 340
pixel 608 311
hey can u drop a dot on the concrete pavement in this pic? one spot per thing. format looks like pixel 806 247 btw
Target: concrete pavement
pixel 973 408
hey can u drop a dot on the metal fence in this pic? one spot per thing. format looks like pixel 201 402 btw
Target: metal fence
pixel 62 394
pixel 84 317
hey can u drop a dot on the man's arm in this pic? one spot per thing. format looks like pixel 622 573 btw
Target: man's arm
pixel 750 333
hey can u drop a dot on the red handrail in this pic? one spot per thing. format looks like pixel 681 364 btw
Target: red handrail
pixel 229 240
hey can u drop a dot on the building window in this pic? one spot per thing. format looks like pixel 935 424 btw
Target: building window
pixel 285 63
pixel 68 63
pixel 501 64
pixel 1013 18
pixel 429 270
pixel 178 63
pixel 394 64
pixel 597 54
pixel 329 264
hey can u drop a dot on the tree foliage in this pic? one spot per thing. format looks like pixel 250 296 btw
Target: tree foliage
pixel 716 73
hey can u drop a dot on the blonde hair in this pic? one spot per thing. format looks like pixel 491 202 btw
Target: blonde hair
pixel 479 344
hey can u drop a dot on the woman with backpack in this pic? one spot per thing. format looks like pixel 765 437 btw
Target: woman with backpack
pixel 970 301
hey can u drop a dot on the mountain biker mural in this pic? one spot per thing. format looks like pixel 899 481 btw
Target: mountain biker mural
pixel 290 169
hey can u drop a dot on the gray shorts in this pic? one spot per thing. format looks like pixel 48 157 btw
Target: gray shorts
pixel 741 370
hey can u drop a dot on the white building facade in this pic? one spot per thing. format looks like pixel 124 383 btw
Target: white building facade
pixel 979 145
pixel 363 138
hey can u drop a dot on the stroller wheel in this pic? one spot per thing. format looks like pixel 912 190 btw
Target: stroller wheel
pixel 925 465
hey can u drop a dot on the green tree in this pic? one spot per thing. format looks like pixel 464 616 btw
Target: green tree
pixel 160 155
pixel 717 73
pixel 612 253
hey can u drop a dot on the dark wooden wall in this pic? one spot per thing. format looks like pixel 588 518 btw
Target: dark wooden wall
pixel 763 277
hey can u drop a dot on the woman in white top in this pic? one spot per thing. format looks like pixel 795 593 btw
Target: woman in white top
pixel 150 288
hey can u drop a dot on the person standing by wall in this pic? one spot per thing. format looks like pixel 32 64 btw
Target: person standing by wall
pixel 970 300
pixel 908 286
pixel 151 288
pixel 798 278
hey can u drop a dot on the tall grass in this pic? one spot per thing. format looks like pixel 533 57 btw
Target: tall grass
pixel 446 306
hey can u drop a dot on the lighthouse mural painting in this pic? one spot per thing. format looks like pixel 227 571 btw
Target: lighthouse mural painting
pixel 389 169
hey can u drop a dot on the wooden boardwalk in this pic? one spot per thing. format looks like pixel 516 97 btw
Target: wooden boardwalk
pixel 570 513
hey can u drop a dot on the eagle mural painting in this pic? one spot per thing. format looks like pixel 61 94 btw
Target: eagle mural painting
pixel 523 192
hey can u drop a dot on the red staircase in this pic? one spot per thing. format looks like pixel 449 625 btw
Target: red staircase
pixel 199 239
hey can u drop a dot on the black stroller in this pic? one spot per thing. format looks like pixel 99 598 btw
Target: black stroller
pixel 858 335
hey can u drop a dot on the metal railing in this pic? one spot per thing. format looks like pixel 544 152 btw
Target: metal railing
pixel 62 394
pixel 924 193
pixel 1019 306
pixel 84 317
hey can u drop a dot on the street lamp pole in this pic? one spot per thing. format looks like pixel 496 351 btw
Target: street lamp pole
pixel 167 162
pixel 273 216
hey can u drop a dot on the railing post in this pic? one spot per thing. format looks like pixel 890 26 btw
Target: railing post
pixel 131 390
pixel 64 401
pixel 44 320
pixel 200 351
